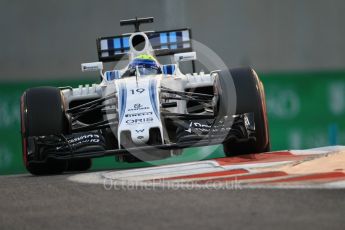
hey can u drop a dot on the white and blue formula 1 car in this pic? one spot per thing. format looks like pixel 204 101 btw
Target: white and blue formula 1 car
pixel 144 112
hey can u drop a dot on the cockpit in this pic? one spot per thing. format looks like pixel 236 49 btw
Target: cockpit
pixel 143 65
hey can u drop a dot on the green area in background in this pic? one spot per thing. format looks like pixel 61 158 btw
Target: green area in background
pixel 305 110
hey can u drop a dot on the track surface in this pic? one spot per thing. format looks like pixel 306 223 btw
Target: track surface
pixel 53 202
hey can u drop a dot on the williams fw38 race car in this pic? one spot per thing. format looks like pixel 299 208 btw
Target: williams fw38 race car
pixel 146 111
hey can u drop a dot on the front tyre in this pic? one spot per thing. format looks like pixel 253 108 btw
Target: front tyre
pixel 250 99
pixel 42 113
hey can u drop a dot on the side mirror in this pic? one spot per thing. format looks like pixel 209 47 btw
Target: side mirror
pixel 190 56
pixel 92 66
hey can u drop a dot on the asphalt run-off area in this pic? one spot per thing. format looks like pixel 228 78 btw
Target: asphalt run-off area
pixel 280 190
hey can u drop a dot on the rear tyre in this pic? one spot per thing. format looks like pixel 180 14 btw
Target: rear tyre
pixel 42 114
pixel 250 99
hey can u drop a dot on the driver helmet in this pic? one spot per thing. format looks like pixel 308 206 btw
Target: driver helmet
pixel 146 65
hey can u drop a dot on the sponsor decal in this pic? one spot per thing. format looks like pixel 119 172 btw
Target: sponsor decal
pixel 137 107
pixel 89 138
pixel 82 139
pixel 198 127
pixel 138 114
pixel 137 121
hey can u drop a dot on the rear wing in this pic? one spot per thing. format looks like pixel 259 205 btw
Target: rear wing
pixel 163 42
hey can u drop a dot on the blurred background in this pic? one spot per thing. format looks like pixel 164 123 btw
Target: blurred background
pixel 297 47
